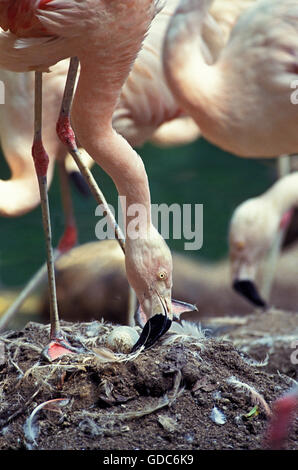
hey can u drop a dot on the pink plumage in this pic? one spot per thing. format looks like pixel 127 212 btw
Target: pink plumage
pixel 106 37
pixel 284 410
pixel 21 17
pixel 242 103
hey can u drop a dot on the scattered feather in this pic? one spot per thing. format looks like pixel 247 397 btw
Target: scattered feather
pixel 31 429
pixel 217 395
pixel 90 427
pixel 169 424
pixel 287 379
pixel 267 340
pixel 185 331
pixel 256 397
pixel 218 416
pixel 93 329
pixel 254 363
pixel 105 355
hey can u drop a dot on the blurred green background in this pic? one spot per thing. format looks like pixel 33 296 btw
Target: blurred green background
pixel 196 173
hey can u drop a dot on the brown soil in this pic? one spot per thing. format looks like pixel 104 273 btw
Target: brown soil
pixel 270 337
pixel 160 399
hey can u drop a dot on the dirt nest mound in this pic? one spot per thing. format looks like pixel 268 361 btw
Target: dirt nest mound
pixel 270 338
pixel 189 392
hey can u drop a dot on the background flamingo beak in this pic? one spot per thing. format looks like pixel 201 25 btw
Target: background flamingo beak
pixel 248 289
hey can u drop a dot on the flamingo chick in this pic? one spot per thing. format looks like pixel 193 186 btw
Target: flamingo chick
pixel 253 228
pixel 106 37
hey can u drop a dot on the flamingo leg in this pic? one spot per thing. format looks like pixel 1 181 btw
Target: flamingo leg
pixel 38 279
pixel 58 345
pixel 69 237
pixel 67 241
pixel 67 136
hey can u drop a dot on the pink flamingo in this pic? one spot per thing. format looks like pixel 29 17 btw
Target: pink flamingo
pixel 242 102
pixel 41 33
pixel 20 193
pixel 148 109
pixel 283 413
pixel 253 229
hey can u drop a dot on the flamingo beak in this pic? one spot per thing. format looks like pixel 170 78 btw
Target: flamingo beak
pixel 159 323
pixel 179 307
pixel 249 290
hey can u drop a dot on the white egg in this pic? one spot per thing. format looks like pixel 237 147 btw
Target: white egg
pixel 122 339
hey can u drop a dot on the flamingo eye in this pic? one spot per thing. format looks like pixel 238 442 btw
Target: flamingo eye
pixel 162 275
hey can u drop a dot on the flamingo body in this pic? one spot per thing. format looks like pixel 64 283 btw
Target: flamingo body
pixel 146 101
pixel 81 28
pixel 19 17
pixel 19 194
pixel 242 103
pixel 148 108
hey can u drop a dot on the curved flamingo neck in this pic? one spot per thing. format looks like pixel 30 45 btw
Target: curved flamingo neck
pixel 284 193
pixel 94 102
pixel 193 82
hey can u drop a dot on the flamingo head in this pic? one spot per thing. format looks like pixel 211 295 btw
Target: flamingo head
pixel 149 271
pixel 252 230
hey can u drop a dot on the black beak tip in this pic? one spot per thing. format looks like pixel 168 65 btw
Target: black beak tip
pixel 155 327
pixel 248 289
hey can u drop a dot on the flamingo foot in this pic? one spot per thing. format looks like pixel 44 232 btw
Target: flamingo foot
pixel 57 348
pixel 69 239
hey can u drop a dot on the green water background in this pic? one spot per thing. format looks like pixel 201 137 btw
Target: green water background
pixel 194 174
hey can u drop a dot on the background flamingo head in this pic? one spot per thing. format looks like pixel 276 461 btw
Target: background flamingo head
pixel 253 227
